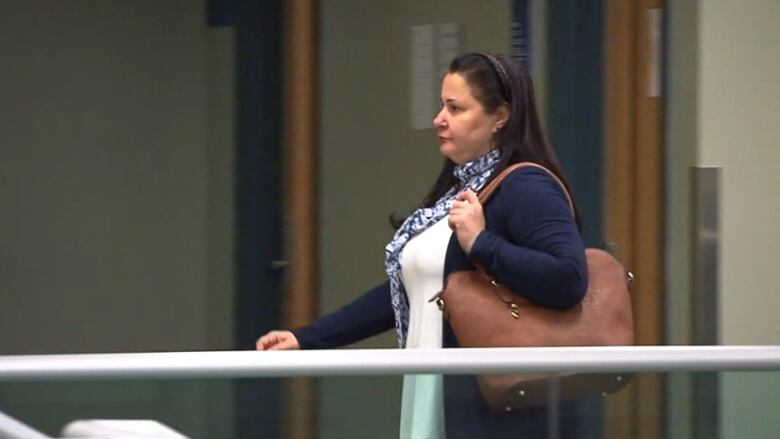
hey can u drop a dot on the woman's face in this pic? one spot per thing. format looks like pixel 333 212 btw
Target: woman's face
pixel 465 129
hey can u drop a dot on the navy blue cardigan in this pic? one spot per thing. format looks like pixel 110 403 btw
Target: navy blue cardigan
pixel 530 244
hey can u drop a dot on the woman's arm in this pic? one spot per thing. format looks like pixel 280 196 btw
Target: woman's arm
pixel 542 257
pixel 368 315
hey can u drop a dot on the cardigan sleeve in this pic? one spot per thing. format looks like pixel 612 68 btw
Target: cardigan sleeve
pixel 540 255
pixel 370 314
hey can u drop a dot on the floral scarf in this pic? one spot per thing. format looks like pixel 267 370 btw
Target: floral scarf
pixel 471 175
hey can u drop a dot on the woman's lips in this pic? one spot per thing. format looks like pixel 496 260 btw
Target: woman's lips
pixel 443 139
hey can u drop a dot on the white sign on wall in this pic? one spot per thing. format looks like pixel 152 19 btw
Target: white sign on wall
pixel 433 46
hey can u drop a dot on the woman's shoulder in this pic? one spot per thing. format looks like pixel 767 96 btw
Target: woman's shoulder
pixel 530 181
pixel 527 195
pixel 529 171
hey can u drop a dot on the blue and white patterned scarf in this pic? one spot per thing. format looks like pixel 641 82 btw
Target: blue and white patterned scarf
pixel 471 175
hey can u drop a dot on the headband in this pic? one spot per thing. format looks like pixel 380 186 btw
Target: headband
pixel 499 68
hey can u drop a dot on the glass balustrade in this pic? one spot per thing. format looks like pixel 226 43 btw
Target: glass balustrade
pixel 661 392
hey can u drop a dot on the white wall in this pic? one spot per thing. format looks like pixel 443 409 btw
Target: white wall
pixel 372 163
pixel 724 112
pixel 115 196
pixel 739 126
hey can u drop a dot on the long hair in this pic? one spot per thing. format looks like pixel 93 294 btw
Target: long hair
pixel 495 80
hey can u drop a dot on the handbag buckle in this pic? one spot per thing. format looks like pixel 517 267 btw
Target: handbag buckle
pixel 438 300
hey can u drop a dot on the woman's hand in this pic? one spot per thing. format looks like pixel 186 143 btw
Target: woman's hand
pixel 466 219
pixel 277 340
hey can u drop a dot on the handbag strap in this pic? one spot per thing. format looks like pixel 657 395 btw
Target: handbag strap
pixel 483 196
pixel 488 190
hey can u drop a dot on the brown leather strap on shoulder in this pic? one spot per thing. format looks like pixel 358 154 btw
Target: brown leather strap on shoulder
pixel 488 190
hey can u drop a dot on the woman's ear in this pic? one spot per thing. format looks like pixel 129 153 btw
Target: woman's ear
pixel 502 116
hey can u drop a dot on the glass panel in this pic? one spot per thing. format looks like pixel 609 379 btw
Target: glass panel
pixel 729 405
pixel 195 408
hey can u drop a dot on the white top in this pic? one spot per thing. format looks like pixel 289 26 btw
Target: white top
pixel 422 272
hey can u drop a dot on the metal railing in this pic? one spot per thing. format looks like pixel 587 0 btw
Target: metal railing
pixel 241 364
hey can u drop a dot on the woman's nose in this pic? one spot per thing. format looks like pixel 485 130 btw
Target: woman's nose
pixel 438 120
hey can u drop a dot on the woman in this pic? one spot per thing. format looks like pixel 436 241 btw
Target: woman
pixel 525 237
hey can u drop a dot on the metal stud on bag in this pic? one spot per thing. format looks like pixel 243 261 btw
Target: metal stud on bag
pixel 440 303
pixel 515 310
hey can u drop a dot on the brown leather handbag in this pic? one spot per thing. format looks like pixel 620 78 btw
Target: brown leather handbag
pixel 483 313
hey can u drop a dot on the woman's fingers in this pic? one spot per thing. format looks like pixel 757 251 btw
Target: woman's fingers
pixel 267 341
pixel 277 340
pixel 456 215
pixel 466 219
pixel 286 343
pixel 466 204
pixel 451 222
pixel 263 342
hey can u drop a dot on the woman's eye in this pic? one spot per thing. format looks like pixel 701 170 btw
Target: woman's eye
pixel 454 109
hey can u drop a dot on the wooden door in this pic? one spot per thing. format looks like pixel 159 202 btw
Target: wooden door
pixel 299 149
pixel 633 190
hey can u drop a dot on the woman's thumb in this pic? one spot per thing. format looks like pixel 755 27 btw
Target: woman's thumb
pixel 471 197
